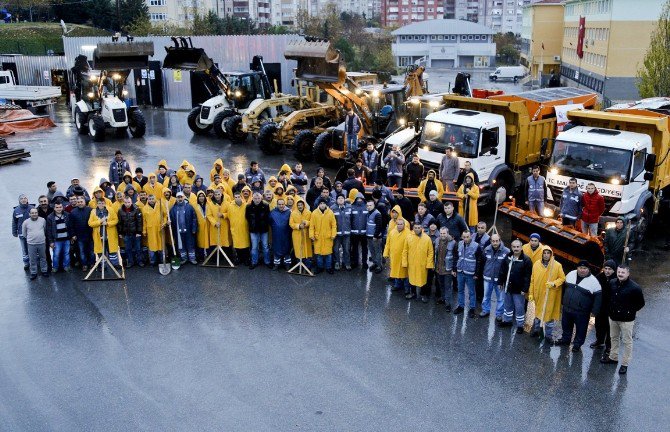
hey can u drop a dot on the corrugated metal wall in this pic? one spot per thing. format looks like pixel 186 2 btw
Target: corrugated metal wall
pixel 30 69
pixel 231 53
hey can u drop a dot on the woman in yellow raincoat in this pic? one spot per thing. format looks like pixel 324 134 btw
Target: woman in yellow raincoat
pixel 322 231
pixel 546 290
pixel 300 219
pixel 469 194
pixel 103 216
pixel 239 228
pixel 154 218
pixel 417 256
pixel 219 227
pixel 393 250
pixel 202 238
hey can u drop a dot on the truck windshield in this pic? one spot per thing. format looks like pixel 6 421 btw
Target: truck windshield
pixel 591 162
pixel 438 136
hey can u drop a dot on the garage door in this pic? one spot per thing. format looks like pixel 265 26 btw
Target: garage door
pixel 442 64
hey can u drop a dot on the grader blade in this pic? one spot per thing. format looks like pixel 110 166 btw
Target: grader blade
pixel 122 55
pixel 567 243
pixel 183 56
pixel 318 61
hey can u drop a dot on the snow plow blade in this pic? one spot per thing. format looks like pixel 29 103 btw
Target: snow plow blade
pixel 567 243
pixel 183 56
pixel 318 60
pixel 122 55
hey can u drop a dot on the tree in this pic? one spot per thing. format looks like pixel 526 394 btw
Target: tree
pixel 103 14
pixel 30 7
pixel 131 11
pixel 71 12
pixel 205 24
pixel 654 74
pixel 508 55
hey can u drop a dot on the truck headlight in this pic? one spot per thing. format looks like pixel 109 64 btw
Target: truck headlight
pixel 553 170
pixel 615 181
pixel 402 122
pixel 238 93
pixel 375 93
pixel 415 101
pixel 548 213
pixel 90 95
pixel 217 106
pixel 433 104
pixel 116 77
pixel 358 92
pixel 609 225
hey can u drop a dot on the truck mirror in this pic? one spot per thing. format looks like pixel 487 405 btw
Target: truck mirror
pixel 650 163
pixel 494 151
pixel 649 175
pixel 543 148
pixel 417 125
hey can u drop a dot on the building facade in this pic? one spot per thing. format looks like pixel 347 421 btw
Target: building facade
pixel 444 43
pixel 403 12
pixel 542 37
pixel 616 35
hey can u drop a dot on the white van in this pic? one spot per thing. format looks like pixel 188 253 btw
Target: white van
pixel 513 73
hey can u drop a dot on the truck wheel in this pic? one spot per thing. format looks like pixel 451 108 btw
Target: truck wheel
pixel 137 124
pixel 494 78
pixel 218 126
pixel 516 79
pixel 193 120
pixel 96 128
pixel 322 145
pixel 644 220
pixel 266 139
pixel 80 121
pixel 303 144
pixel 234 130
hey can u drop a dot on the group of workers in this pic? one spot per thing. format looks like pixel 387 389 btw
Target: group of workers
pixel 283 219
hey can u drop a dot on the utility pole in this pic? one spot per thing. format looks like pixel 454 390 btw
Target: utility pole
pixel 118 13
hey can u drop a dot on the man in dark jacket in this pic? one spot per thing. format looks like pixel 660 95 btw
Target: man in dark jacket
pixel 184 228
pixel 452 220
pixel 414 172
pixel 20 214
pixel 467 169
pixel 607 275
pixel 434 205
pixel 43 211
pixel 130 229
pixel 352 182
pixel 571 204
pixel 615 241
pixel 371 161
pixel 58 237
pixel 374 232
pixel 581 298
pixel 281 235
pixel 258 217
pixel 359 221
pixel 314 192
pixel 117 168
pixel 77 189
pixel 625 301
pixel 342 212
pixel 405 204
pixel 514 280
pixel 446 255
pixel 82 233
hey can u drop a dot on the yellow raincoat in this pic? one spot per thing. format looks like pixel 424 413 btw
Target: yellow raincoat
pixel 186 178
pixel 417 257
pixel 111 232
pixel 93 203
pixel 547 282
pixel 421 190
pixel 156 189
pixel 122 187
pixel 395 245
pixel 393 224
pixel 285 168
pixel 353 193
pixel 181 172
pixel 534 256
pixel 167 177
pixel 302 246
pixel 153 219
pixel 202 238
pixel 218 236
pixel 214 170
pixel 323 229
pixel 269 185
pixel 472 218
pixel 239 226
pixel 248 199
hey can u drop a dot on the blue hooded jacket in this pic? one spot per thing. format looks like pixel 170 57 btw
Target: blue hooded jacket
pixel 21 213
pixel 281 231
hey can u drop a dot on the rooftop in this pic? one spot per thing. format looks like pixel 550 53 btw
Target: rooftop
pixel 443 26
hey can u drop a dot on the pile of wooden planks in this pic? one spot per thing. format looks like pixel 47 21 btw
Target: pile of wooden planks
pixel 8 156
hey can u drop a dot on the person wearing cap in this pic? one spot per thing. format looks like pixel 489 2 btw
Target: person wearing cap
pixel 299 179
pixel 429 184
pixel 342 212
pixel 76 188
pixel 581 298
pixel 514 282
pixel 139 178
pixel 322 231
pixel 602 324
pixel 434 205
pixel 51 191
pixel 252 172
pixel 626 301
pixel 184 228
pixel 257 214
pixel 414 172
pixel 533 249
pixel 20 214
pixel 394 162
pixel 386 192
pixel 615 241
pixel 408 209
pixel 117 168
pixel 352 182
pixel 370 159
pixel 449 167
pixel 241 183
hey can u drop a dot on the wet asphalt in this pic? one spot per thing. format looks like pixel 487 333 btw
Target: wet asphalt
pixel 233 349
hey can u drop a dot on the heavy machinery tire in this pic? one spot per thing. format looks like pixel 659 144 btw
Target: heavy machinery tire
pixel 194 122
pixel 96 127
pixel 137 124
pixel 218 126
pixel 80 121
pixel 266 139
pixel 303 145
pixel 234 130
pixel 323 143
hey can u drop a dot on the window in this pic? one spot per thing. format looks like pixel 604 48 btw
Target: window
pixel 158 16
pixel 476 37
pixel 156 2
pixel 470 37
pixel 433 37
pixel 453 37
pixel 638 163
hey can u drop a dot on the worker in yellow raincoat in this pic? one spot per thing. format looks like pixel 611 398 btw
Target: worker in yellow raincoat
pixel 99 195
pixel 181 172
pixel 396 213
pixel 469 194
pixel 189 176
pixel 428 184
pixel 219 227
pixel 239 229
pixel 217 168
pixel 154 218
pixel 299 221
pixel 395 245
pixel 322 231
pixel 533 249
pixel 546 290
pixel 202 237
pixel 128 180
pixel 247 195
pixel 105 236
pixel 163 173
pixel 417 257
pixel 153 187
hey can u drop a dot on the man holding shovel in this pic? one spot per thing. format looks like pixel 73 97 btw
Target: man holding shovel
pixel 546 288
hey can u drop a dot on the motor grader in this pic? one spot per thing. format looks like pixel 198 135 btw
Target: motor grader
pixel 318 132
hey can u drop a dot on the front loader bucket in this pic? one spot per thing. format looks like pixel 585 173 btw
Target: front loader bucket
pixel 568 244
pixel 187 58
pixel 122 55
pixel 318 61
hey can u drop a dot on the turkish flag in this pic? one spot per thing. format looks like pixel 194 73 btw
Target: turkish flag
pixel 580 37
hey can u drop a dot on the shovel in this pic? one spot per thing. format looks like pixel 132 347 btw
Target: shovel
pixel 176 260
pixel 164 268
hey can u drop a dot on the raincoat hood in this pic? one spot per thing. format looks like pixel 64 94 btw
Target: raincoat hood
pixel 396 208
pixel 472 177
pixel 218 162
pixel 435 174
pixel 103 181
pixel 272 178
pixel 291 188
pixel 163 163
pixel 21 196
pixel 128 174
pixel 197 177
pixel 190 168
pixel 359 195
pixel 544 248
pixel 286 168
pixel 152 175
pixel 184 163
pixel 246 188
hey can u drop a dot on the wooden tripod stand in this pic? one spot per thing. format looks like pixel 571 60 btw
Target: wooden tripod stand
pixel 300 268
pixel 102 260
pixel 219 252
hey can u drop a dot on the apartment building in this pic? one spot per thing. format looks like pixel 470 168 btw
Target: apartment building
pixel 542 37
pixel 403 12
